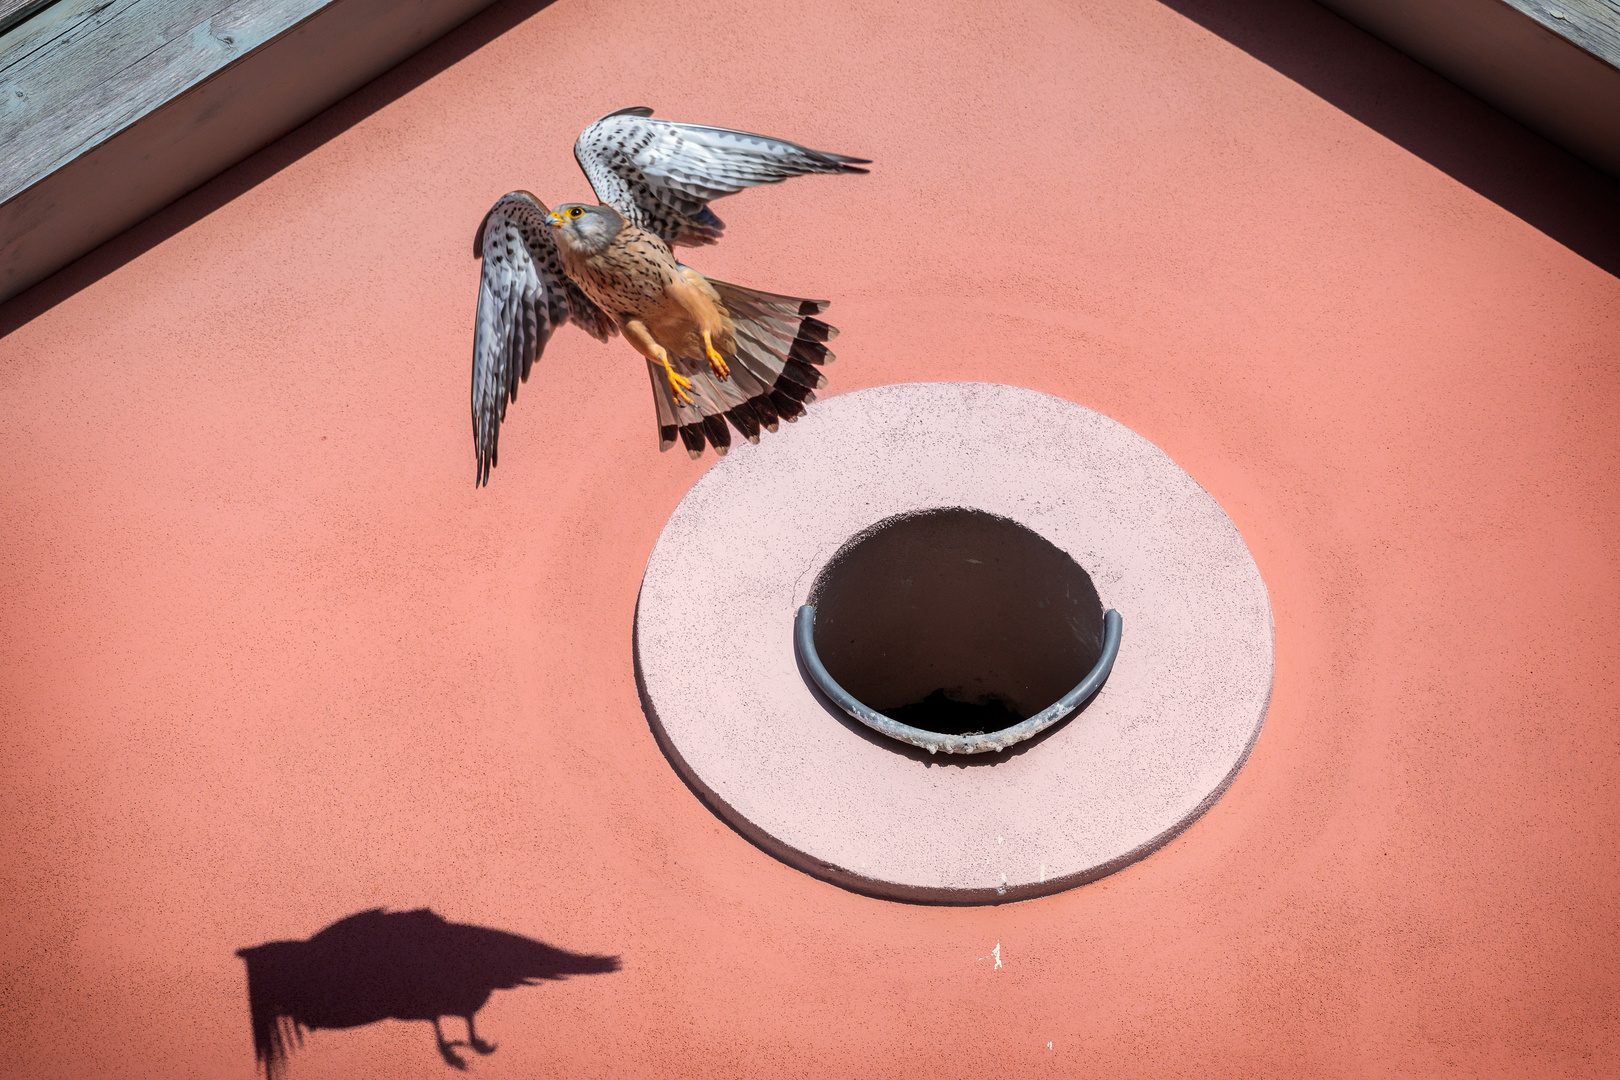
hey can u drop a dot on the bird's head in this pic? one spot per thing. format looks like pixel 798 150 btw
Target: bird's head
pixel 584 229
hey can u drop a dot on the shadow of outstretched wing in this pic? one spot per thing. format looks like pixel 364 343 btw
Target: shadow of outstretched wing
pixel 404 965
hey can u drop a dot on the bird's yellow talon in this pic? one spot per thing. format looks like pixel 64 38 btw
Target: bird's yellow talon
pixel 717 363
pixel 678 385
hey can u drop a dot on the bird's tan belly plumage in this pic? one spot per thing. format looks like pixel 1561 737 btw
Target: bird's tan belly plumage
pixel 637 278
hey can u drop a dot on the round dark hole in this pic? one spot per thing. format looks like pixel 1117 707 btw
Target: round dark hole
pixel 956 621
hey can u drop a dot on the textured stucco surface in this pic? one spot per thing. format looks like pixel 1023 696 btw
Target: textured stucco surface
pixel 268 659
pixel 1152 751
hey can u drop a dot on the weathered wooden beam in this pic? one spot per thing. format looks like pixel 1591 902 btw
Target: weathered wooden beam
pixel 13 12
pixel 1594 25
pixel 1553 65
pixel 111 109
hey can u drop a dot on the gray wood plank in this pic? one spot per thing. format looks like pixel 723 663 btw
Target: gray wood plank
pixel 43 84
pixel 8 8
pixel 44 24
pixel 147 52
pixel 1594 25
pixel 13 12
pixel 225 100
pixel 110 35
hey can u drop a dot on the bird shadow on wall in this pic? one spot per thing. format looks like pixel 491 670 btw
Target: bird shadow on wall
pixel 403 965
pixel 260 166
pixel 1428 116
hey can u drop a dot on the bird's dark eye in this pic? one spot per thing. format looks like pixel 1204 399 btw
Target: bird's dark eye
pixel 575 212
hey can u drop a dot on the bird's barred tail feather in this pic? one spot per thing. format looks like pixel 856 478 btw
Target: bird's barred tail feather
pixel 774 375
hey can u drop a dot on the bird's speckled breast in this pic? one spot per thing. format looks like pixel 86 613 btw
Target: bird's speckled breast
pixel 632 277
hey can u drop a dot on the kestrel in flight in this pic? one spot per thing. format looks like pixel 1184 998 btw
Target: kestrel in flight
pixel 715 351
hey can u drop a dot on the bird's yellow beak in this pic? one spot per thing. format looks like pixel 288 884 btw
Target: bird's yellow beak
pixel 554 219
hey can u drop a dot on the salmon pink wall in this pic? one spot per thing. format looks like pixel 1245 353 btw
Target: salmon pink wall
pixel 267 658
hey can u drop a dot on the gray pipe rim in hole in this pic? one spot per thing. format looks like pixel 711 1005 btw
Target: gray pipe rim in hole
pixel 804 637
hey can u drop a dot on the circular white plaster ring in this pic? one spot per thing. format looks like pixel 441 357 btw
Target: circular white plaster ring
pixel 1152 750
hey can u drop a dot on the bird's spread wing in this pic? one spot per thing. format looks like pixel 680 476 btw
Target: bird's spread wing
pixel 522 297
pixel 662 175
